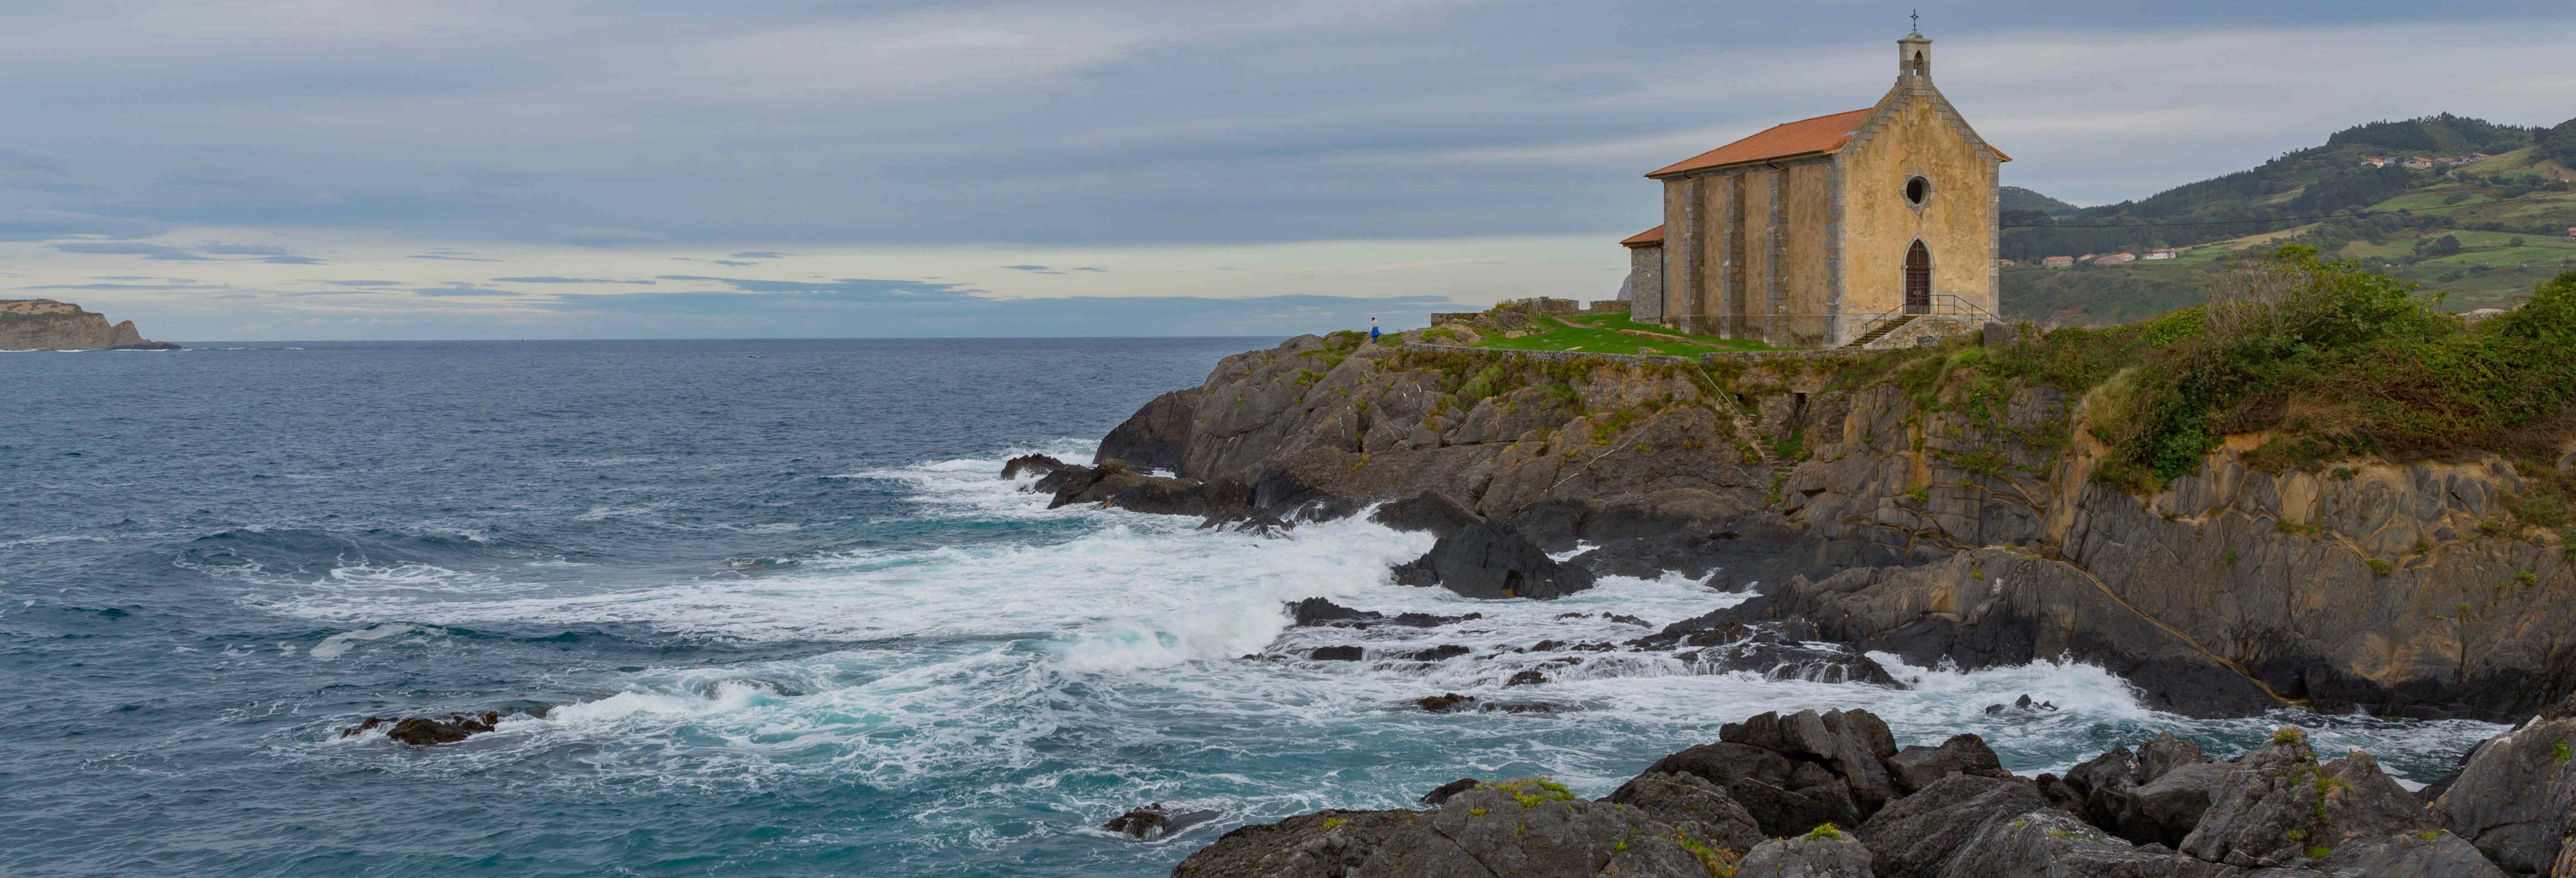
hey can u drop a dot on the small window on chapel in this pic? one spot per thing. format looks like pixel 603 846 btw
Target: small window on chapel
pixel 1917 189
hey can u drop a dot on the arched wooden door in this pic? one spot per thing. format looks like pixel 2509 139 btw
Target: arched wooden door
pixel 1918 280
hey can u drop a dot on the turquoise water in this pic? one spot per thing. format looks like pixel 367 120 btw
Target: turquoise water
pixel 213 560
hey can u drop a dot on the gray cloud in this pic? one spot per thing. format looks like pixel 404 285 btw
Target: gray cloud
pixel 222 249
pixel 549 279
pixel 291 260
pixel 362 283
pixel 38 224
pixel 461 289
pixel 1033 269
pixel 132 248
pixel 759 254
pixel 450 257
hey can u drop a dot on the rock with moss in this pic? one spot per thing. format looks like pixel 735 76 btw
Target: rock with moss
pixel 1693 804
pixel 2278 806
pixel 2050 843
pixel 1524 827
pixel 1815 855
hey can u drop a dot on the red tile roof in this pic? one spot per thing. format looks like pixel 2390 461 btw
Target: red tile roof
pixel 1653 237
pixel 1805 136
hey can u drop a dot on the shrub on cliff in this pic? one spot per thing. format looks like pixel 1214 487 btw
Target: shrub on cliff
pixel 2341 362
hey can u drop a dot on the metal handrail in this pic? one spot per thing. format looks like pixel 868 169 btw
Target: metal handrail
pixel 1941 304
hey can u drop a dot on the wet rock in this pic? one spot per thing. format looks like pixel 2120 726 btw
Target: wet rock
pixel 1038 464
pixel 1692 802
pixel 2515 797
pixel 1311 612
pixel 1336 654
pixel 429 731
pixel 1444 791
pixel 1819 857
pixel 1918 766
pixel 1526 678
pixel 1442 652
pixel 1523 707
pixel 1427 511
pixel 1447 703
pixel 1528 828
pixel 1155 821
pixel 2060 795
pixel 1488 561
pixel 2277 804
pixel 1156 436
pixel 1778 658
pixel 1916 835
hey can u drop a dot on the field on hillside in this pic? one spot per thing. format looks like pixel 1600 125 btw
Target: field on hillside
pixel 1602 334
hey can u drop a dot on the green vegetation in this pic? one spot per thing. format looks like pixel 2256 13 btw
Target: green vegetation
pixel 1719 862
pixel 1331 822
pixel 1613 334
pixel 2289 735
pixel 1533 792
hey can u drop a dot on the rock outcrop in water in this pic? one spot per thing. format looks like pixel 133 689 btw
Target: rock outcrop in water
pixel 1958 519
pixel 45 324
pixel 1830 795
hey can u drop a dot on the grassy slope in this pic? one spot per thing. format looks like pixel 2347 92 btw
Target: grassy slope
pixel 1600 334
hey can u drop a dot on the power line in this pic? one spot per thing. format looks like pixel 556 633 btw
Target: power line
pixel 2284 219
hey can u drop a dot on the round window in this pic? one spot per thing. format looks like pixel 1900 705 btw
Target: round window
pixel 1918 189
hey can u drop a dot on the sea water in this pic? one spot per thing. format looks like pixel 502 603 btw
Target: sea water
pixel 212 561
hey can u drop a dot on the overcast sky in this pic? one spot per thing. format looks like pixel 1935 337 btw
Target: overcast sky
pixel 460 169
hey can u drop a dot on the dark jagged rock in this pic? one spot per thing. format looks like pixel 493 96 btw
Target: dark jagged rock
pixel 1485 561
pixel 1336 654
pixel 1778 658
pixel 1034 464
pixel 1785 796
pixel 2104 782
pixel 1918 766
pixel 2409 855
pixel 2164 811
pixel 1325 844
pixel 1319 611
pixel 1442 652
pixel 1427 511
pixel 1447 703
pixel 1850 743
pixel 2515 795
pixel 428 731
pixel 1523 707
pixel 1820 857
pixel 1155 821
pixel 1444 791
pixel 1156 436
pixel 1915 837
pixel 1526 678
pixel 2060 795
pixel 2165 753
pixel 1691 802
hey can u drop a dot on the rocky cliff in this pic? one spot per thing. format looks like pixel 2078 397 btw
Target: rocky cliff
pixel 1909 501
pixel 45 324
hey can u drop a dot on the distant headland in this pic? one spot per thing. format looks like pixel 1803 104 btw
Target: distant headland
pixel 45 324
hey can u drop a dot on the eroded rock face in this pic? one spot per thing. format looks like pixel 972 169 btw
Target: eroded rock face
pixel 1918 766
pixel 45 324
pixel 1520 828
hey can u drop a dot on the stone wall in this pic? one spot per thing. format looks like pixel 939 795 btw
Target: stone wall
pixel 1646 279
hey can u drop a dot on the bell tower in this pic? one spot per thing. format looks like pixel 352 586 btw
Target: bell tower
pixel 1914 57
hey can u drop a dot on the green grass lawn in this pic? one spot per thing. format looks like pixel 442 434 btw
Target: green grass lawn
pixel 1600 334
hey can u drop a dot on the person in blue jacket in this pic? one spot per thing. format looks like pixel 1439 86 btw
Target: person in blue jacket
pixel 1372 329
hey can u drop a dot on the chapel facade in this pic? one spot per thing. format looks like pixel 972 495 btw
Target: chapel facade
pixel 1838 230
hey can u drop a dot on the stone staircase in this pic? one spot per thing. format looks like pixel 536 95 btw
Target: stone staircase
pixel 1880 331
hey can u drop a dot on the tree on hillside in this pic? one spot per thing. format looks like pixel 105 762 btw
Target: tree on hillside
pixel 2560 142
pixel 2442 246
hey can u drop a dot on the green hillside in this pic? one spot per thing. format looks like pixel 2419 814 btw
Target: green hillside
pixel 2481 232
